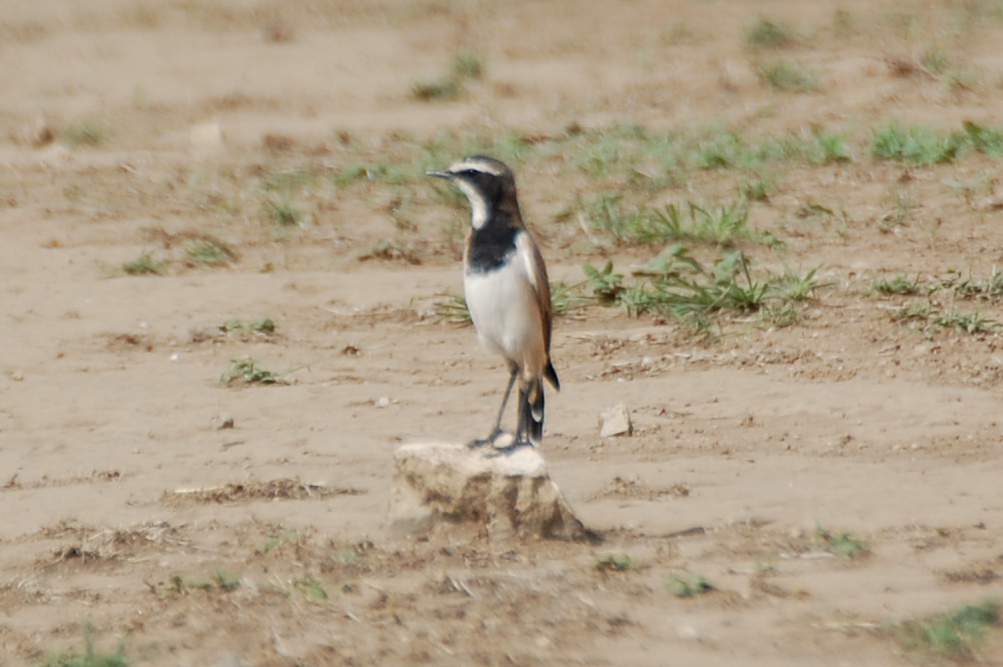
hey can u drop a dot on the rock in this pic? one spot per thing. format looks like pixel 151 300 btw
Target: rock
pixel 37 133
pixel 53 155
pixel 205 137
pixel 508 493
pixel 615 421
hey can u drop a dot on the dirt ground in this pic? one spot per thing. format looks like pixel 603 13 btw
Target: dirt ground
pixel 134 128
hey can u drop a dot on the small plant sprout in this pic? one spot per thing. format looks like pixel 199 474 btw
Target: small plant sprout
pixel 312 588
pixel 615 563
pixel 792 286
pixel 843 545
pixel 466 66
pixel 225 580
pixel 833 147
pixel 283 213
pixel 247 371
pixel 604 284
pixel 688 585
pixel 757 189
pixel 265 325
pixel 348 555
pixel 281 539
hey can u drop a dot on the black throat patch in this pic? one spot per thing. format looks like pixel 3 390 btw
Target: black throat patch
pixel 491 245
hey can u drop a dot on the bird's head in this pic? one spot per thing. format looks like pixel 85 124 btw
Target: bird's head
pixel 488 184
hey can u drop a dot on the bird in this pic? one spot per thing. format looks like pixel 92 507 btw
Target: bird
pixel 507 291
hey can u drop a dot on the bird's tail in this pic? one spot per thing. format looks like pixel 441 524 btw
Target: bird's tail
pixel 531 408
pixel 551 376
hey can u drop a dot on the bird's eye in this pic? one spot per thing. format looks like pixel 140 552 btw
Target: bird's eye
pixel 470 172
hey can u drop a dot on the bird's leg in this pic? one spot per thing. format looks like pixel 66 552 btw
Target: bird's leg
pixel 523 424
pixel 522 428
pixel 497 430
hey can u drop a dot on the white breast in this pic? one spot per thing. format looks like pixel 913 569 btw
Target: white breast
pixel 504 308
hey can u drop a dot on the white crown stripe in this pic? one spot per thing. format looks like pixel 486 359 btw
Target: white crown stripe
pixel 476 165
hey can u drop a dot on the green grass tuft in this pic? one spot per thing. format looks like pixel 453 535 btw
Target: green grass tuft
pixel 146 265
pixel 283 213
pixel 674 284
pixel 964 322
pixel 900 285
pixel 604 284
pixel 312 587
pixel 916 145
pixel 724 226
pixel 208 251
pixel 91 657
pixel 766 34
pixel 983 139
pixel 787 76
pixel 451 308
pixel 247 371
pixel 990 289
pixel 468 65
pixel 757 189
pixel 721 151
pixel 437 90
pixel 928 318
pixel 84 133
pixel 955 635
pixel 935 60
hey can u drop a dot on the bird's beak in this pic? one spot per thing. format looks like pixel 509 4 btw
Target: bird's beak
pixel 439 174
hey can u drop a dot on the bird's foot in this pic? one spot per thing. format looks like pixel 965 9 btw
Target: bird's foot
pixel 490 440
pixel 511 446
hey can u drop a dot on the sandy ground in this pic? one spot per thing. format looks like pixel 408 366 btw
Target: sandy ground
pixel 744 445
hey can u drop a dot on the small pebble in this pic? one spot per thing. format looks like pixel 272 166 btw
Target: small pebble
pixel 220 422
pixel 615 421
pixel 687 632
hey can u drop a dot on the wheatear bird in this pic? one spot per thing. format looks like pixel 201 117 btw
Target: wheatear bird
pixel 506 288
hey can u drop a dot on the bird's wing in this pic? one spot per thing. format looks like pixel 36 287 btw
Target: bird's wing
pixel 536 272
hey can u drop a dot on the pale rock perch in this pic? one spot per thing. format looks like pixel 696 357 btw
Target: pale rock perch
pixel 510 495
